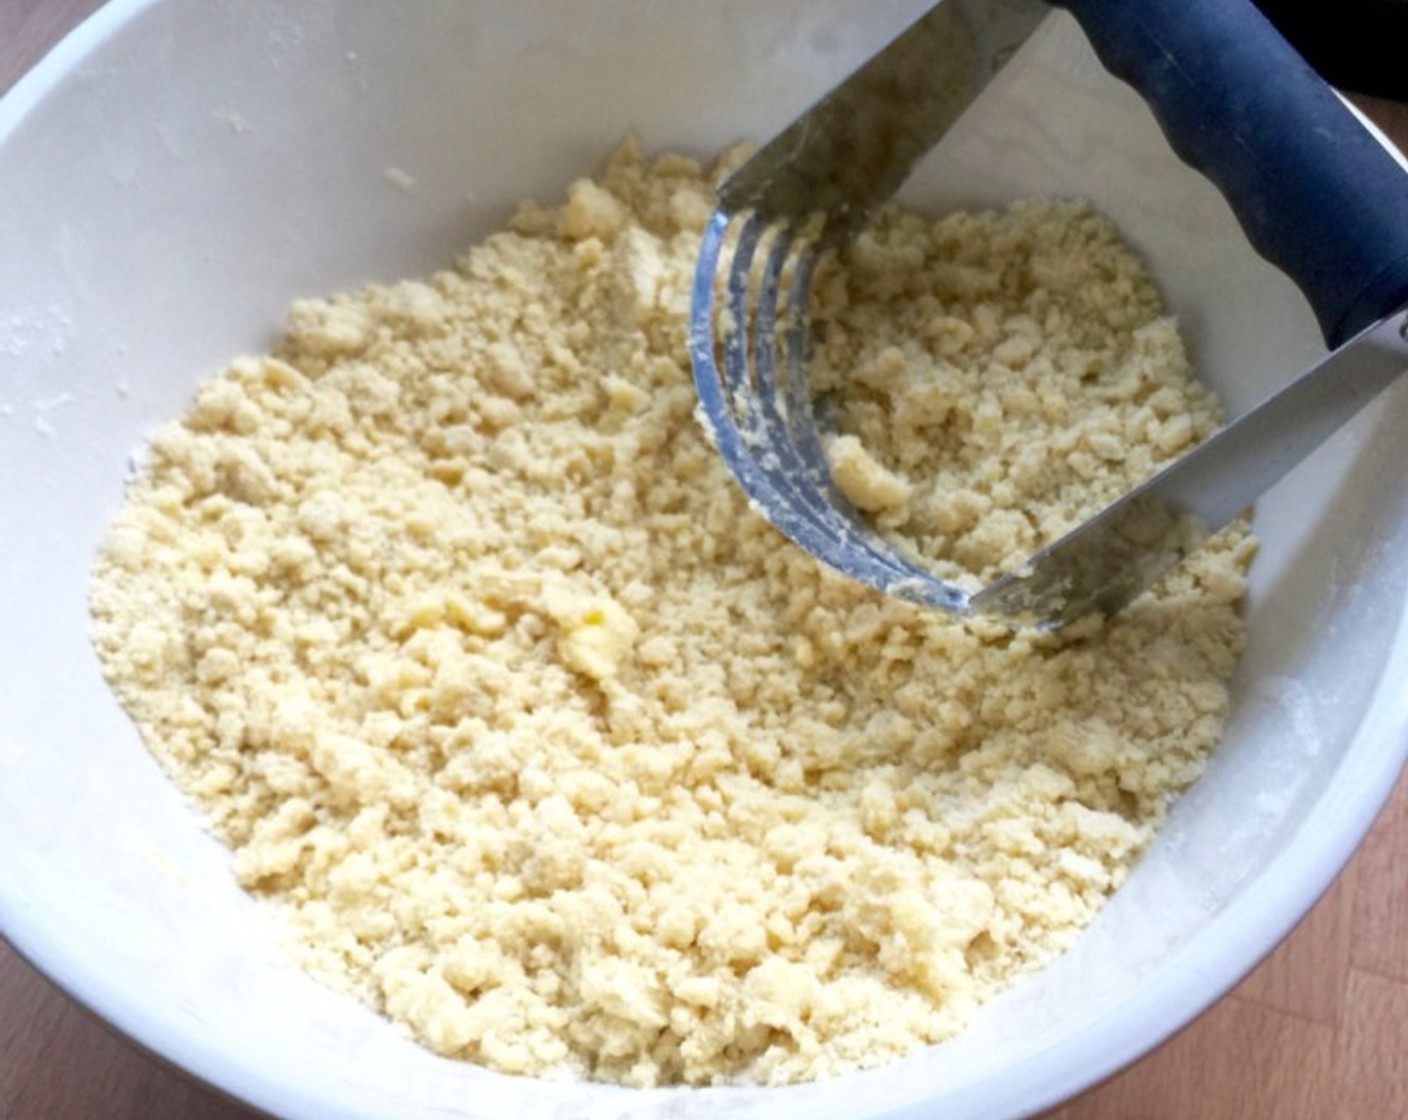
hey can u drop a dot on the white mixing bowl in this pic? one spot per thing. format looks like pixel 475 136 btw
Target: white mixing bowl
pixel 180 170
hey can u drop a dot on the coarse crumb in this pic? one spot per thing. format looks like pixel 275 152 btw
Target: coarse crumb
pixel 547 746
pixel 996 378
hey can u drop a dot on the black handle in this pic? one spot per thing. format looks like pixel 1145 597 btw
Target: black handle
pixel 1317 195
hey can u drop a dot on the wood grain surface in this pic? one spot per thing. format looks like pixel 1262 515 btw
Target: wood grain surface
pixel 1318 1032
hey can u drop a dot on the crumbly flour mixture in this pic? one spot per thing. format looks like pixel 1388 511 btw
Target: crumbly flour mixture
pixel 451 621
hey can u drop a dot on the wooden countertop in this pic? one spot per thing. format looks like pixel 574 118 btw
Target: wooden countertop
pixel 1318 1032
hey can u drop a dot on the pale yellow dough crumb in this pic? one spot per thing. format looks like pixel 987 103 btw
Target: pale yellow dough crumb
pixel 868 485
pixel 548 747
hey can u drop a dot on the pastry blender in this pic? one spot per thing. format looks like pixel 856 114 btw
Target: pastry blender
pixel 1315 192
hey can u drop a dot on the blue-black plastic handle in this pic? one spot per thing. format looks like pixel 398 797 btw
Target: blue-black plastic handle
pixel 1315 193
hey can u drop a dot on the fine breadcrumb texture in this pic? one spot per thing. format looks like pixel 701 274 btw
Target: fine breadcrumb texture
pixel 547 746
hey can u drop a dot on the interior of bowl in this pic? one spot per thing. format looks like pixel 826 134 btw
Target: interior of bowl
pixel 180 171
